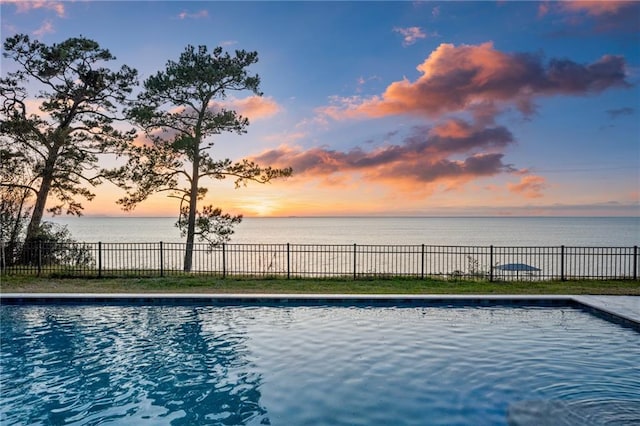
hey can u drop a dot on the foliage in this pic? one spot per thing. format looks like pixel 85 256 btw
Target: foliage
pixel 211 225
pixel 72 123
pixel 178 113
pixel 52 245
pixel 15 197
pixel 57 247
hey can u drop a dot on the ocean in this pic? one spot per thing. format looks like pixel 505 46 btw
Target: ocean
pixel 448 231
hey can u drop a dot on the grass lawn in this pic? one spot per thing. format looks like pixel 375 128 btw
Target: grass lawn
pixel 199 284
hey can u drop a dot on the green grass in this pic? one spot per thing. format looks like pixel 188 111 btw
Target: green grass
pixel 200 284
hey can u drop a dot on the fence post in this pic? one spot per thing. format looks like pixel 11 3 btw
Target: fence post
pixel 161 260
pixel 490 263
pixel 562 263
pixel 224 260
pixel 99 259
pixel 635 262
pixel 288 261
pixel 355 260
pixel 422 262
pixel 39 257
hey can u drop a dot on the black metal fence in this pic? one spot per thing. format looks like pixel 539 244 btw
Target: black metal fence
pixel 323 261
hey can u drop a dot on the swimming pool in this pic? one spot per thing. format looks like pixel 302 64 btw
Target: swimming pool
pixel 314 363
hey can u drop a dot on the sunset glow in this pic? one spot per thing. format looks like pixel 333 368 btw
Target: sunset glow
pixel 396 108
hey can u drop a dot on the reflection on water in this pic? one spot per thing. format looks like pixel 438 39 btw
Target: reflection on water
pixel 89 365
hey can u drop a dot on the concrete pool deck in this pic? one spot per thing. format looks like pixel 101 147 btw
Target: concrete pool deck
pixel 624 308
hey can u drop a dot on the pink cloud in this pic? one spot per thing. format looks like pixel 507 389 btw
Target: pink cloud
pixel 252 107
pixel 24 6
pixel 530 186
pixel 410 34
pixel 452 152
pixel 594 8
pixel 468 77
pixel 45 28
pixel 605 15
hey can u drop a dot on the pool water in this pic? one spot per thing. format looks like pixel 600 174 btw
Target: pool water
pixel 314 365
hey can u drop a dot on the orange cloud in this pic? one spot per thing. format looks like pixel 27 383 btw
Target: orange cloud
pixel 530 186
pixel 24 6
pixel 479 77
pixel 453 128
pixel 454 151
pixel 252 107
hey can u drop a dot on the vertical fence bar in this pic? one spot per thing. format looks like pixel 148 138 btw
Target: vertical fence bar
pixel 224 260
pixel 635 262
pixel 39 257
pixel 422 262
pixel 288 261
pixel 562 278
pixel 491 263
pixel 99 259
pixel 355 261
pixel 161 260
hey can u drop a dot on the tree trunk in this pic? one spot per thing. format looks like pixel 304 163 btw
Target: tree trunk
pixel 38 208
pixel 43 194
pixel 191 224
pixel 41 201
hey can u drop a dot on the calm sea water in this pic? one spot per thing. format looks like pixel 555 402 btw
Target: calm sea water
pixel 499 231
pixel 324 365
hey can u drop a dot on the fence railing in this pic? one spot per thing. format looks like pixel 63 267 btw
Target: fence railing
pixel 323 261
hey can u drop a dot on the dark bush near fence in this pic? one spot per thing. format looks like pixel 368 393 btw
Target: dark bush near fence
pixel 322 261
pixel 52 246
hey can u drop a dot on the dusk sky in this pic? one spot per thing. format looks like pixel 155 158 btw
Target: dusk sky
pixel 398 108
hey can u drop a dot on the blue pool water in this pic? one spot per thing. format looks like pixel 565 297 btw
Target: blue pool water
pixel 314 365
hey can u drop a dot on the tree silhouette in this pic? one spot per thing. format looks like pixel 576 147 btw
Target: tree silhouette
pixel 179 117
pixel 73 123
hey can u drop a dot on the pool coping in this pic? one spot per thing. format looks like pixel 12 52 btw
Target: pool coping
pixel 624 310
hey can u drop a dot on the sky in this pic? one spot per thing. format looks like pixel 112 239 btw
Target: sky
pixel 483 108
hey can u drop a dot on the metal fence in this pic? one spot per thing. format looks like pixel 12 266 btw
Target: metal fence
pixel 324 261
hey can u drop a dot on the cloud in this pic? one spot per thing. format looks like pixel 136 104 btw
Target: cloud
pixel 530 186
pixel 594 8
pixel 543 8
pixel 605 16
pixel 197 15
pixel 287 138
pixel 410 34
pixel 467 77
pixel 252 107
pixel 45 28
pixel 619 112
pixel 24 6
pixel 451 153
